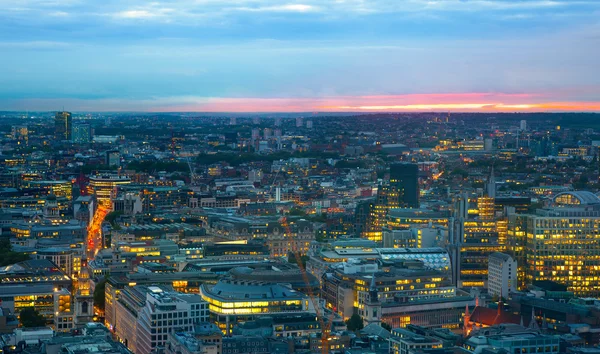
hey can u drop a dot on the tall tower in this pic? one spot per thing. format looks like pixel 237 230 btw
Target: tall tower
pixel 373 305
pixel 404 179
pixel 62 126
pixel 491 184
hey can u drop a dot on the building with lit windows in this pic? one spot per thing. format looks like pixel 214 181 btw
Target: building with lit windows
pixel 403 341
pixel 406 291
pixel 183 282
pixel 67 259
pixel 337 252
pixel 479 233
pixel 62 126
pixel 231 301
pixel 58 188
pixel 560 243
pixel 18 297
pixel 147 314
pixel 45 229
pixel 346 287
pixel 34 272
pixel 104 186
pixel 402 191
pixel 416 228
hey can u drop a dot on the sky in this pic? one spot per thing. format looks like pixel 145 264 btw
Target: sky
pixel 300 56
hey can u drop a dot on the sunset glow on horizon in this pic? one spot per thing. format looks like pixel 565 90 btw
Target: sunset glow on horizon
pixel 469 102
pixel 300 56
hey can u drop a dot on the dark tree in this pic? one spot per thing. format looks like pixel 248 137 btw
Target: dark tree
pixel 8 256
pixel 99 298
pixel 355 323
pixel 29 317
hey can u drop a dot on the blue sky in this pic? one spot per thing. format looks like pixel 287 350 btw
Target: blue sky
pixel 235 55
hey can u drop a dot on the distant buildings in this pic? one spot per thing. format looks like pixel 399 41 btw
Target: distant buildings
pixel 82 133
pixel 63 123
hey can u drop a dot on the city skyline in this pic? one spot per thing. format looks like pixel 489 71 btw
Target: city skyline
pixel 268 56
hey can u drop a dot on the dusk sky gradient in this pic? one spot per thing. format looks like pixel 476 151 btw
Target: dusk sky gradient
pixel 300 56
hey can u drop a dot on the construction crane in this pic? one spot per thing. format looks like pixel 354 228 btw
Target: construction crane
pixel 192 174
pixel 325 325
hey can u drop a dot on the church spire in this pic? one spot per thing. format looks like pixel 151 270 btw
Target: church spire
pixel 533 323
pixel 491 184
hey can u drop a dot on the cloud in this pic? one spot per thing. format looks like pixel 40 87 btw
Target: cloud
pixel 35 45
pixel 280 8
pixel 143 14
pixel 293 49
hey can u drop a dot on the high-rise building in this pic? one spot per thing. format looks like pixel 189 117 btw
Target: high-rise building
pixel 502 274
pixel 523 125
pixel 299 122
pixel 104 186
pixel 63 125
pixel 479 233
pixel 404 179
pixel 82 133
pixel 560 243
pixel 401 192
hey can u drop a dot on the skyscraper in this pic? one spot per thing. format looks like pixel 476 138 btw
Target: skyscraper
pixel 62 125
pixel 404 179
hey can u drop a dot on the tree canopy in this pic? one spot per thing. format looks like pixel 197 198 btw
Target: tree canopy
pixel 355 323
pixel 99 298
pixel 30 317
pixel 8 256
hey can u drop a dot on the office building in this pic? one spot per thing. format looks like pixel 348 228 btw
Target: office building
pixel 104 187
pixel 479 233
pixel 402 191
pixel 82 133
pixel 67 259
pixel 525 342
pixel 502 275
pixel 354 287
pixel 231 301
pixel 560 243
pixel 62 126
pixel 147 314
pixel 341 251
pixel 403 341
pixel 404 178
pixel 184 282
